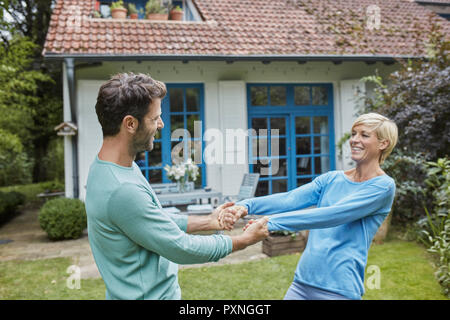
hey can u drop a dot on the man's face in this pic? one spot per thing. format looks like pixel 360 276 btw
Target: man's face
pixel 149 126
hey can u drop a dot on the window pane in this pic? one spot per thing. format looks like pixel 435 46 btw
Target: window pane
pixel 278 123
pixel 259 123
pixel 321 145
pixel 303 181
pixel 177 151
pixel 279 169
pixel 176 122
pixel 303 166
pixel 155 156
pixel 198 182
pixel 321 165
pixel 301 96
pixel 140 159
pixel 278 147
pixel 302 125
pixel 303 145
pixel 190 123
pixel 262 189
pixel 279 186
pixel 155 176
pixel 262 169
pixel 319 96
pixel 320 125
pixel 193 99
pixel 278 96
pixel 262 147
pixel 176 99
pixel 258 96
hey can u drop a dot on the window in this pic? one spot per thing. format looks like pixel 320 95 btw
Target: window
pixel 182 108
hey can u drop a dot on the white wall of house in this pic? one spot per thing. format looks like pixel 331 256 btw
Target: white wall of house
pixel 225 100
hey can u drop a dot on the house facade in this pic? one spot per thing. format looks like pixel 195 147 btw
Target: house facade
pixel 258 86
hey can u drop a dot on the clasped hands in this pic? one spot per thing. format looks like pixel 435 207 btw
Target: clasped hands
pixel 228 213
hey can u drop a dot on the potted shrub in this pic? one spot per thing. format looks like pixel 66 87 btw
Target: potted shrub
pixel 118 11
pixel 176 14
pixel 134 13
pixel 284 242
pixel 155 11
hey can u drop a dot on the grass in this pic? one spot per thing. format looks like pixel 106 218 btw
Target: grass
pixel 406 274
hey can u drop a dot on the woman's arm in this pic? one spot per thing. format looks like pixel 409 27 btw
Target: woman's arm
pixel 299 198
pixel 356 206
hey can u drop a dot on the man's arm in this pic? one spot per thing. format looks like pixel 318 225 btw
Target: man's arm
pixel 212 221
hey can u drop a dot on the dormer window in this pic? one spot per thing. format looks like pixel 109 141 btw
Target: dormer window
pixel 189 10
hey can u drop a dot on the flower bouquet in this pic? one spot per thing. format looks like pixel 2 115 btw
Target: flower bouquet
pixel 183 173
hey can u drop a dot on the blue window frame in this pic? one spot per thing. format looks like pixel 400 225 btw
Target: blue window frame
pixel 303 114
pixel 182 106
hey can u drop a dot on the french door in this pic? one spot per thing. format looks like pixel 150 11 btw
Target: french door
pixel 292 136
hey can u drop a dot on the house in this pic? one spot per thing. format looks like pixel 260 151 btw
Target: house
pixel 231 66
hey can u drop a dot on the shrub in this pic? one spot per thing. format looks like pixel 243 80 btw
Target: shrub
pixel 15 167
pixel 9 203
pixel 409 173
pixel 436 233
pixel 63 218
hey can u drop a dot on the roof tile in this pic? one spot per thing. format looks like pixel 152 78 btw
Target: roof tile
pixel 246 27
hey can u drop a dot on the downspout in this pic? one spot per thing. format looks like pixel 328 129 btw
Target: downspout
pixel 70 67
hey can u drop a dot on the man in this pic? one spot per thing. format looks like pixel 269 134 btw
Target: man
pixel 135 244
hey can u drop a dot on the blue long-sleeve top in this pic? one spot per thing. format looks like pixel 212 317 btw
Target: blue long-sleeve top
pixel 342 224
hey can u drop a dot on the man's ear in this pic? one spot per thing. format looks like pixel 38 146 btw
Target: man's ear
pixel 130 124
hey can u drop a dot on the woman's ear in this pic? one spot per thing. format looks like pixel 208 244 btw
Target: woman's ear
pixel 383 144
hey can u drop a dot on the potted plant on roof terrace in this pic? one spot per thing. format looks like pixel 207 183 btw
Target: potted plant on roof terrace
pixel 134 13
pixel 176 14
pixel 155 11
pixel 118 11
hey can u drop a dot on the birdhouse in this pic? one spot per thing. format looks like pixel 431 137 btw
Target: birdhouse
pixel 66 129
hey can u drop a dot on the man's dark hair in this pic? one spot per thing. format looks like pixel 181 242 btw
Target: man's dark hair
pixel 126 94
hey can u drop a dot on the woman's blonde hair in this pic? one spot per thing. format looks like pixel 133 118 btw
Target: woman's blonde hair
pixel 385 129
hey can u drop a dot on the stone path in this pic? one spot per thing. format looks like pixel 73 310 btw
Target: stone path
pixel 30 242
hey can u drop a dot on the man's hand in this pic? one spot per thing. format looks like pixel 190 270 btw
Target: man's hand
pixel 222 218
pixel 254 232
pixel 230 215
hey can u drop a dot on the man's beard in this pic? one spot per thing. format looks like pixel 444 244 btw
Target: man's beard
pixel 142 141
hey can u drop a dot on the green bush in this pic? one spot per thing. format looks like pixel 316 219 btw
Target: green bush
pixel 63 218
pixel 32 190
pixel 436 233
pixel 9 203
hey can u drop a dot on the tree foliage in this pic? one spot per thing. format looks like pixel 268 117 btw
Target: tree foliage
pixel 418 100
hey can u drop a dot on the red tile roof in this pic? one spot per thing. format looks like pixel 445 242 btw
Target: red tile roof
pixel 248 28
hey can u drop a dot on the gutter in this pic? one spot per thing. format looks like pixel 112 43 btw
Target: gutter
pixel 70 67
pixel 229 58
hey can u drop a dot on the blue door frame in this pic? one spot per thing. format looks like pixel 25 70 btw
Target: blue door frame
pixel 291 110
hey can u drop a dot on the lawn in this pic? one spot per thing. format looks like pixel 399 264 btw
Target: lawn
pixel 405 267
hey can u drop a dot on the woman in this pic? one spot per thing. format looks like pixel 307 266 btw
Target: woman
pixel 350 206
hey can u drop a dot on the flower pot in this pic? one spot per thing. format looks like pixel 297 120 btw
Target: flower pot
pixel 119 13
pixel 158 16
pixel 134 16
pixel 176 15
pixel 275 245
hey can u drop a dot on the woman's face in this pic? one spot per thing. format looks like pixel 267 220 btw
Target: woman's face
pixel 364 144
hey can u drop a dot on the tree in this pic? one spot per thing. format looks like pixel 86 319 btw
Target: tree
pixel 35 108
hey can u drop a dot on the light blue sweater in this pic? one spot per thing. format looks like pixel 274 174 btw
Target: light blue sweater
pixel 342 225
pixel 135 244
